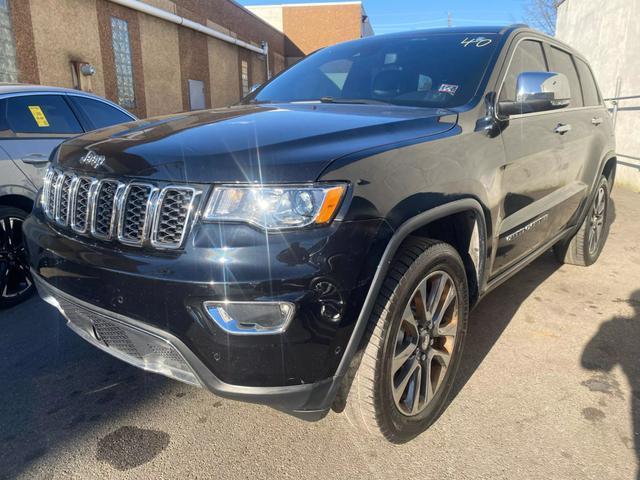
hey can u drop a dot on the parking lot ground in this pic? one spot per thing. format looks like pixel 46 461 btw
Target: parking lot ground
pixel 549 389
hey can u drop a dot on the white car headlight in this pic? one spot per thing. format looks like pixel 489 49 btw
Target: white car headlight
pixel 275 207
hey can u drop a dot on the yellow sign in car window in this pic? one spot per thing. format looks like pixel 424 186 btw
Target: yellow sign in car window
pixel 38 116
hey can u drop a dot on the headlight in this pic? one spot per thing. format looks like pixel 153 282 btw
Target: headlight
pixel 275 207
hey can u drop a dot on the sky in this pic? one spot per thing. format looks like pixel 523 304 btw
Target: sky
pixel 389 16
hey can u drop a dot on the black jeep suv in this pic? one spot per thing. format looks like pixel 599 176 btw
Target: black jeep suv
pixel 321 244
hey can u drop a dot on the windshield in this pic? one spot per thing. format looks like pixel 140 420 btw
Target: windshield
pixel 438 70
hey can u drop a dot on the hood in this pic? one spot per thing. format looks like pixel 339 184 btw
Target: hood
pixel 254 143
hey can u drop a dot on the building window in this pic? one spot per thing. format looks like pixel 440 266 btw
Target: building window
pixel 8 68
pixel 124 66
pixel 244 73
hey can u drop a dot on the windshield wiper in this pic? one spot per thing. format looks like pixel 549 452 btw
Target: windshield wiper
pixel 356 101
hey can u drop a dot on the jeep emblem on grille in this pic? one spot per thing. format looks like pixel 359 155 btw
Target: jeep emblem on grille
pixel 93 159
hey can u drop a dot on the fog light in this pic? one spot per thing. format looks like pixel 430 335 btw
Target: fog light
pixel 251 318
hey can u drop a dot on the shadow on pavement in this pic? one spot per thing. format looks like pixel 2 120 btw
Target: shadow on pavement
pixel 490 318
pixel 56 387
pixel 617 342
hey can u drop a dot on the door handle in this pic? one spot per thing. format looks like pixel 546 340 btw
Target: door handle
pixel 596 121
pixel 35 158
pixel 562 128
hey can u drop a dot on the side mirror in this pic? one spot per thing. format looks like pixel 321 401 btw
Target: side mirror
pixel 538 92
pixel 254 87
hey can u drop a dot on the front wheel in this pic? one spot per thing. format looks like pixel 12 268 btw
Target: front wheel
pixel 415 340
pixel 15 280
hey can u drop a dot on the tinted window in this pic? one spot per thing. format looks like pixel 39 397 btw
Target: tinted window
pixel 44 114
pixel 561 62
pixel 99 113
pixel 589 89
pixel 442 70
pixel 528 57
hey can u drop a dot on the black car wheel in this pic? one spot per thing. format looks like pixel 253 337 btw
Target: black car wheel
pixel 16 284
pixel 585 246
pixel 414 343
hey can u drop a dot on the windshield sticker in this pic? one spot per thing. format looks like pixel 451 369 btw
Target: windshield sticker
pixel 477 41
pixel 450 89
pixel 38 116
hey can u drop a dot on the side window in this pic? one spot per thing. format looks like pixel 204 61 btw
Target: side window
pixel 41 114
pixel 589 88
pixel 561 62
pixel 100 114
pixel 528 57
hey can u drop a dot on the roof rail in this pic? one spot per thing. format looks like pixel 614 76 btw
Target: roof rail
pixel 514 26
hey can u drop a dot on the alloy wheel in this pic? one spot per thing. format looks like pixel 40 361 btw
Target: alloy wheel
pixel 15 279
pixel 424 343
pixel 597 220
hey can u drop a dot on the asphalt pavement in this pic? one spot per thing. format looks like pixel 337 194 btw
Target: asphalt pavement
pixel 549 389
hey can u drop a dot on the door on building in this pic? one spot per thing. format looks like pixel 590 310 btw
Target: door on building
pixel 196 95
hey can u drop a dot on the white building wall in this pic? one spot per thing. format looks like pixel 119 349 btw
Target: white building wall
pixel 607 32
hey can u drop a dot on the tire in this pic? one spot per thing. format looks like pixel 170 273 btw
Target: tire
pixel 16 284
pixel 581 249
pixel 374 404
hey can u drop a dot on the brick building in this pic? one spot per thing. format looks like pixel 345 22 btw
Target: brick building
pixel 310 26
pixel 153 57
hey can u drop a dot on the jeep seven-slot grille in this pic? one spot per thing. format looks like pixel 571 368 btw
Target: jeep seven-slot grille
pixel 134 213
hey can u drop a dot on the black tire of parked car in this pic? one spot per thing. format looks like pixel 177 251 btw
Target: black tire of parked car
pixel 585 246
pixel 15 280
pixel 370 404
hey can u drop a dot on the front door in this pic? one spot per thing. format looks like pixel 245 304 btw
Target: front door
pixel 534 177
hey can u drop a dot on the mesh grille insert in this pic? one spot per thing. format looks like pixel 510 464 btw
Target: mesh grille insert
pixel 80 213
pixel 105 207
pixel 172 217
pixel 63 207
pixel 135 213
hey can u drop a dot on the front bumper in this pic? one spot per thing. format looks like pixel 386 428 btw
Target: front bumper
pixel 158 299
pixel 134 342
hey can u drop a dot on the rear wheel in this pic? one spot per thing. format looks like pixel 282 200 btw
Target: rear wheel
pixel 585 246
pixel 15 280
pixel 416 337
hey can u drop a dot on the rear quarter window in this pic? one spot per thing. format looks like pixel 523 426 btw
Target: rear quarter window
pixel 40 114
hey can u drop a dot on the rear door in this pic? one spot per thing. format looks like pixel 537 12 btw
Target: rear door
pixel 597 117
pixel 576 119
pixel 37 124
